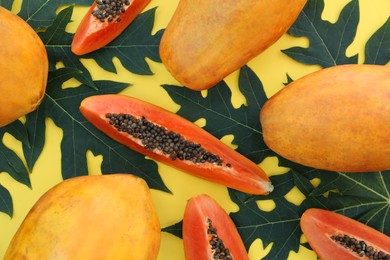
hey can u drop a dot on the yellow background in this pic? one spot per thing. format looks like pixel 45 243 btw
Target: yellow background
pixel 271 67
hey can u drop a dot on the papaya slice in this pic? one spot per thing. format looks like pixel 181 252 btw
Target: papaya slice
pixel 104 21
pixel 209 233
pixel 335 236
pixel 171 139
pixel 108 216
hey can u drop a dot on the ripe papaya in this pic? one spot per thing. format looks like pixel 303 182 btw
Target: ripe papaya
pixel 209 233
pixel 103 23
pixel 207 40
pixel 90 217
pixel 335 119
pixel 23 69
pixel 171 139
pixel 335 236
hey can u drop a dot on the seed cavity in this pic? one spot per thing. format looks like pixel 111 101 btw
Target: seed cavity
pixel 110 10
pixel 360 247
pixel 218 248
pixel 155 137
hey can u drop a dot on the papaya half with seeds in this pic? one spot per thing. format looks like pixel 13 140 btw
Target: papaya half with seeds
pixel 102 23
pixel 336 119
pixel 173 140
pixel 335 236
pixel 23 68
pixel 90 217
pixel 207 40
pixel 209 233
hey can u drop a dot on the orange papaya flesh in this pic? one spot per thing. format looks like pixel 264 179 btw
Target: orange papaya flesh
pixel 334 119
pixel 90 217
pixel 101 25
pixel 228 167
pixel 209 233
pixel 335 236
pixel 207 40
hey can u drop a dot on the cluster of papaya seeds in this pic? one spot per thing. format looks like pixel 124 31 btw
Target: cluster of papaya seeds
pixel 337 118
pixel 23 68
pixel 335 236
pixel 200 53
pixel 109 216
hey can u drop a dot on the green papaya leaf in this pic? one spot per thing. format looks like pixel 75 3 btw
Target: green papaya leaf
pixel 40 14
pixel 378 47
pixel 6 201
pixel 131 47
pixel 222 118
pixel 328 42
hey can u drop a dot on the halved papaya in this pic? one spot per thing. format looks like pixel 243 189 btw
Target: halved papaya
pixel 209 232
pixel 335 236
pixel 171 139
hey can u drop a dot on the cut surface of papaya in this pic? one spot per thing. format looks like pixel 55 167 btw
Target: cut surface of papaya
pixel 207 40
pixel 335 236
pixel 90 217
pixel 209 233
pixel 103 22
pixel 171 139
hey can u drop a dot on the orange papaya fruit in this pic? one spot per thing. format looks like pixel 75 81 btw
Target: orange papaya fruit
pixel 173 140
pixel 23 70
pixel 90 217
pixel 102 24
pixel 336 119
pixel 209 233
pixel 207 40
pixel 334 236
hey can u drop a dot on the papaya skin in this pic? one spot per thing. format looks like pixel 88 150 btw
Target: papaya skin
pixel 319 224
pixel 335 119
pixel 243 174
pixel 90 217
pixel 199 210
pixel 207 40
pixel 23 70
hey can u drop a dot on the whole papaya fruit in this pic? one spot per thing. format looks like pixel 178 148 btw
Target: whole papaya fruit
pixel 23 68
pixel 336 119
pixel 207 40
pixel 90 217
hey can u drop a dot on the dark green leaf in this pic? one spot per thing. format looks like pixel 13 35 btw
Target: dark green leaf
pixel 328 42
pixel 12 164
pixel 6 201
pixel 222 118
pixel 41 13
pixel 378 47
pixel 175 229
